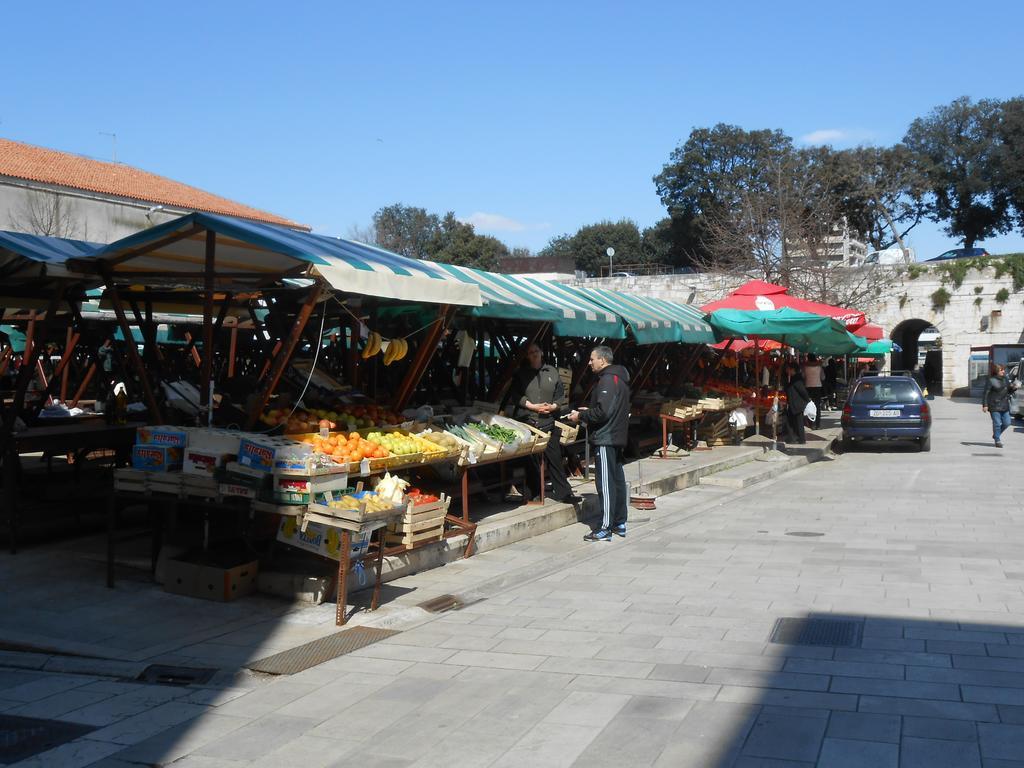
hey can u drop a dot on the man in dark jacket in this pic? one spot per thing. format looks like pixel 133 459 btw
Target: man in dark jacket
pixel 539 396
pixel 607 419
pixel 797 398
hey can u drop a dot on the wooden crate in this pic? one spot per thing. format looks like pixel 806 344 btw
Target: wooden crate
pixel 569 432
pixel 424 522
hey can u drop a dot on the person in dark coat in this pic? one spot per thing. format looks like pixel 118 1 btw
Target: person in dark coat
pixel 996 401
pixel 607 419
pixel 797 398
pixel 539 397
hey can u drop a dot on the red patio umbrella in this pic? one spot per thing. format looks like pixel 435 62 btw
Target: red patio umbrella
pixel 759 295
pixel 742 345
pixel 870 331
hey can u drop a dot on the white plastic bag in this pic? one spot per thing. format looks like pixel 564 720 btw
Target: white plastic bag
pixel 811 411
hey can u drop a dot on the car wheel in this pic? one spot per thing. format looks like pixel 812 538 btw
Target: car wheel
pixel 847 443
pixel 925 444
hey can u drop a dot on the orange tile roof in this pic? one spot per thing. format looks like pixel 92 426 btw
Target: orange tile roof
pixel 48 166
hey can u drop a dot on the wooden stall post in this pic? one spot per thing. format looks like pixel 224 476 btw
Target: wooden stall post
pixel 59 372
pixel 206 372
pixel 65 370
pixel 424 354
pixel 284 355
pixel 232 347
pixel 133 352
pixel 28 362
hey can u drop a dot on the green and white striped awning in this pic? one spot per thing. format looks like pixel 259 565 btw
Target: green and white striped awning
pixel 654 321
pixel 523 298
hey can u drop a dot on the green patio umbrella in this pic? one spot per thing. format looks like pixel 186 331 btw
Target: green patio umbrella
pixel 801 330
pixel 14 337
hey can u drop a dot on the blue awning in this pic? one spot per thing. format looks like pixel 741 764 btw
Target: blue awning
pixel 30 257
pixel 250 253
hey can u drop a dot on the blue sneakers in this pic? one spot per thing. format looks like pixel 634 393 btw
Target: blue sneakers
pixel 601 534
pixel 620 530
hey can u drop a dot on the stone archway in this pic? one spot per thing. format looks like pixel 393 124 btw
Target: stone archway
pixel 907 335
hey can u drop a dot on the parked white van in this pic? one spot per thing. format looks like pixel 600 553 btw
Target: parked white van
pixel 891 256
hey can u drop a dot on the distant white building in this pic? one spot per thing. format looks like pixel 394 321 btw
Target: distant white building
pixel 842 247
pixel 46 192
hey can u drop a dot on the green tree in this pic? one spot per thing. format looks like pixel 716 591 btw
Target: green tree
pixel 870 182
pixel 456 242
pixel 406 229
pixel 955 150
pixel 709 178
pixel 675 241
pixel 588 247
pixel 1010 156
pixel 418 234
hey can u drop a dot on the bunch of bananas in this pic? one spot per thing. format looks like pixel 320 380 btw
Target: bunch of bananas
pixel 372 347
pixel 397 349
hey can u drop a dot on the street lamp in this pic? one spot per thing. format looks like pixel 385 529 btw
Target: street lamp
pixel 611 253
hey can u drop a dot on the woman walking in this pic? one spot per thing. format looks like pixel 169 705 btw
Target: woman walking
pixel 996 400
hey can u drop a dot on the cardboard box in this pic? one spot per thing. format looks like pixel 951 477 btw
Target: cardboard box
pixel 161 435
pixel 200 462
pixel 257 454
pixel 305 490
pixel 157 458
pixel 319 539
pixel 210 578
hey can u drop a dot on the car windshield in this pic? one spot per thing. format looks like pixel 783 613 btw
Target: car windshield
pixel 886 391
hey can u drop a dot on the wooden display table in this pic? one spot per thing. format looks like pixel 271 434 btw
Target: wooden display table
pixel 78 438
pixel 666 418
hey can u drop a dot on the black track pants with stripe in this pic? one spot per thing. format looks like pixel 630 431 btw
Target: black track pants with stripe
pixel 612 491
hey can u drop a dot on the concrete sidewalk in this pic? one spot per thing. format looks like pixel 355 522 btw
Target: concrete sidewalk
pixel 56 600
pixel 561 639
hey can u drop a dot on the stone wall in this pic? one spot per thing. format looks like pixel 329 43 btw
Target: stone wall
pixel 960 322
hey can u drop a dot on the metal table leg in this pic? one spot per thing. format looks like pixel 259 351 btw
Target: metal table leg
pixel 344 561
pixel 111 532
pixel 379 567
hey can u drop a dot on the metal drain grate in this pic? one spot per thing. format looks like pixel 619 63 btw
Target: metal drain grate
pixel 441 603
pixel 317 652
pixel 22 737
pixel 839 633
pixel 162 675
pixel 804 534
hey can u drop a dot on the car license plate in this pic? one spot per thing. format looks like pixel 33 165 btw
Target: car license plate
pixel 889 413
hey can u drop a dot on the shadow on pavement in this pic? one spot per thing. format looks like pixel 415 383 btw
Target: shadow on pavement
pixel 904 692
pixel 901 692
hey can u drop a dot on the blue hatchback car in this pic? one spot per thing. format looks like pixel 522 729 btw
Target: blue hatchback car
pixel 887 408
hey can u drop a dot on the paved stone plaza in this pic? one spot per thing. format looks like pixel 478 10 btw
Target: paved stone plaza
pixel 654 650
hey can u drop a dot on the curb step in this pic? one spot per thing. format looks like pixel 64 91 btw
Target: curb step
pixel 754 472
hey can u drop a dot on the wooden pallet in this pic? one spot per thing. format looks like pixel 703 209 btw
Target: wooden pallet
pixel 409 539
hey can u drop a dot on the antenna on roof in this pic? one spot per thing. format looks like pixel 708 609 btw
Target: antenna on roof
pixel 113 138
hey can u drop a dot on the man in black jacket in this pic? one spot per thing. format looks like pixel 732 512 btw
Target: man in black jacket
pixel 539 396
pixel 607 419
pixel 797 398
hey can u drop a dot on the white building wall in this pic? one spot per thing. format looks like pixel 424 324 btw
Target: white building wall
pixel 95 217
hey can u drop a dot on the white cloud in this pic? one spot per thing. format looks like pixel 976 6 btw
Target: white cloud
pixel 825 136
pixel 493 221
pixel 837 136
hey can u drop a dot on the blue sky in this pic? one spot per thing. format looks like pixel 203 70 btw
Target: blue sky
pixel 530 119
